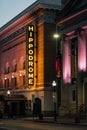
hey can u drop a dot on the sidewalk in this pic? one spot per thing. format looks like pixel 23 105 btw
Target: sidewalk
pixel 65 121
pixel 60 120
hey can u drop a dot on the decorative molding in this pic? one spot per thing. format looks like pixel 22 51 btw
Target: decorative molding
pixel 13 35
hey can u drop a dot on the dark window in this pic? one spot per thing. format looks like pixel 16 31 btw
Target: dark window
pixel 7 70
pixel 14 82
pixel 15 68
pixel 24 65
pixel 29 105
pixel 24 80
pixel 6 83
pixel 73 95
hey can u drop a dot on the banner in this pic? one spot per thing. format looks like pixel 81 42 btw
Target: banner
pixel 73 59
pixel 58 66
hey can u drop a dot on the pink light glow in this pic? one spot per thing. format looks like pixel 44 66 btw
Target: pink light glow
pixel 82 52
pixel 66 62
pixel 84 27
pixel 56 65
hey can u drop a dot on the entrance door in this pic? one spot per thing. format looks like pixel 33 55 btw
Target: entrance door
pixel 86 94
pixel 37 107
pixel 14 108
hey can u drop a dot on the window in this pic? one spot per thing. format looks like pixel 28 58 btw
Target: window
pixel 7 70
pixel 29 105
pixel 73 95
pixel 6 83
pixel 24 81
pixel 15 68
pixel 14 82
pixel 24 65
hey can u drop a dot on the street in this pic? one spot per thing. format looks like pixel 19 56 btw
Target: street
pixel 19 124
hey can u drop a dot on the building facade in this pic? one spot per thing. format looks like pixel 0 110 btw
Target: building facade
pixel 27 59
pixel 72 21
pixel 30 59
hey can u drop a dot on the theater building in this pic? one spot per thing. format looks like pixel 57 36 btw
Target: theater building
pixel 31 59
pixel 27 59
pixel 72 26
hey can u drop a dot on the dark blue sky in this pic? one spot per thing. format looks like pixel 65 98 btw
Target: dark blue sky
pixel 10 8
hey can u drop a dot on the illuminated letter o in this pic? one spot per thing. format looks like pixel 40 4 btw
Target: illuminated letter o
pixel 30 52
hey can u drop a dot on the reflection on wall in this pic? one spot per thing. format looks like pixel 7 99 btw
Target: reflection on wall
pixel 66 62
pixel 82 52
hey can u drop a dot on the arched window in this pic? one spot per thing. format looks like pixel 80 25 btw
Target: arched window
pixel 14 81
pixel 6 83
pixel 24 80
pixel 15 68
pixel 7 68
pixel 24 65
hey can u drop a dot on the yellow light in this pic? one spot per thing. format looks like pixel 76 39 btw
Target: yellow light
pixel 54 83
pixel 20 75
pixel 5 78
pixel 12 76
pixel 8 92
pixel 56 35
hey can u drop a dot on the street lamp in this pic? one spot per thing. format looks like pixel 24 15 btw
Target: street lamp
pixel 9 104
pixel 58 68
pixel 54 99
pixel 56 35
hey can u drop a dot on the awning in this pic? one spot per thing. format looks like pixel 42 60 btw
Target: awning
pixel 15 97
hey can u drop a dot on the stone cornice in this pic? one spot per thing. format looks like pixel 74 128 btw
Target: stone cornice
pixel 13 35
pixel 30 10
pixel 67 19
pixel 41 15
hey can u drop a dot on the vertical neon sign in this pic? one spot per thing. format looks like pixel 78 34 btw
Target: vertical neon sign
pixel 30 55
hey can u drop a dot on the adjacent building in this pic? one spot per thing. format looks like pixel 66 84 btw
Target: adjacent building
pixel 72 26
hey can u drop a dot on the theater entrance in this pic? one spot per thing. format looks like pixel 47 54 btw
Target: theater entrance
pixel 15 105
pixel 37 107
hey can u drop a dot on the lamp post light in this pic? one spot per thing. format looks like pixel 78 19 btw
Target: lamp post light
pixel 54 99
pixel 56 35
pixel 58 68
pixel 9 104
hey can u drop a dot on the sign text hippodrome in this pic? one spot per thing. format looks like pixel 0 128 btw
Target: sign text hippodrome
pixel 30 51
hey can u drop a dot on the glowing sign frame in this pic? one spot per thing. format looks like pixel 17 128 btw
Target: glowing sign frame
pixel 30 55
